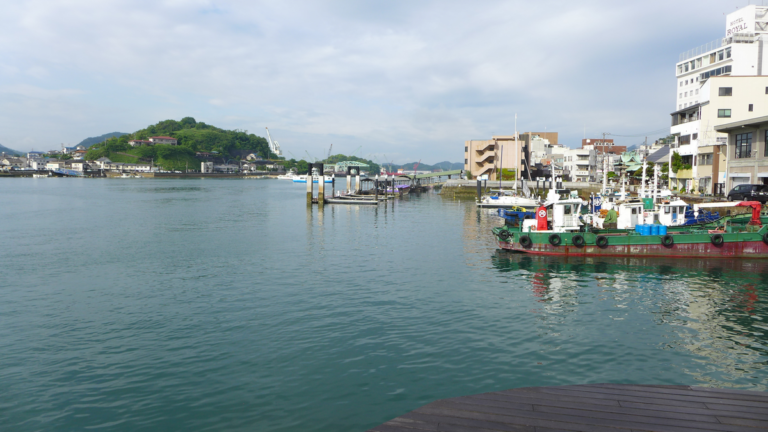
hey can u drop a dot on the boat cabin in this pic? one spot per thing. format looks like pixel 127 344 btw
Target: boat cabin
pixel 672 212
pixel 564 216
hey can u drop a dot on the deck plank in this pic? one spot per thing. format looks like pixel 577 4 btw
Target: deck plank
pixel 592 407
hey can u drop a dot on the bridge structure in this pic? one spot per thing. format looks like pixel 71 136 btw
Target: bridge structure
pixel 430 180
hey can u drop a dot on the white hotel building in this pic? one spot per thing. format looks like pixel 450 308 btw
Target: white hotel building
pixel 743 53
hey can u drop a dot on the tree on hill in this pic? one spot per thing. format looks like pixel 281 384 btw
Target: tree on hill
pixel 192 137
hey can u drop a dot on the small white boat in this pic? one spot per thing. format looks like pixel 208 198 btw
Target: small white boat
pixel 303 179
pixel 507 199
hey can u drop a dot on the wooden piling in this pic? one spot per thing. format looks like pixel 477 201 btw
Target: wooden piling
pixel 358 186
pixel 479 192
pixel 376 187
pixel 309 185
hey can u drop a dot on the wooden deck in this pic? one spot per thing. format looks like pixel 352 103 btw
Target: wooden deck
pixel 593 407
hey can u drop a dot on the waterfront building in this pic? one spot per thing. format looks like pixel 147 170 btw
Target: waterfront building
pixel 482 158
pixel 743 52
pixel 747 150
pixel 163 140
pixel 724 100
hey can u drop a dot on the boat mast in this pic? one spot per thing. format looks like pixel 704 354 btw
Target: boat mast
pixel 642 189
pixel 656 170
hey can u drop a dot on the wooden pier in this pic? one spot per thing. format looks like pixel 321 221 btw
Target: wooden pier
pixel 592 407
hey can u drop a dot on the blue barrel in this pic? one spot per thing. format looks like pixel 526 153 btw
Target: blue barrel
pixel 644 230
pixel 637 228
pixel 655 229
pixel 662 230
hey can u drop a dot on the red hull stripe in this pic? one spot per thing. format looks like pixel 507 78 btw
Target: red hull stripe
pixel 746 249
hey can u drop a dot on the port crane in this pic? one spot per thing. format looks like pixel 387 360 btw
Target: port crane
pixel 329 152
pixel 274 147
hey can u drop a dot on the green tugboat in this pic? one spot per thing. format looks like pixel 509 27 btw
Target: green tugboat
pixel 567 235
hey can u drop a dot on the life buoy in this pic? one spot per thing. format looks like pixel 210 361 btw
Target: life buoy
pixel 668 240
pixel 578 240
pixel 525 241
pixel 717 239
pixel 504 235
pixel 555 240
pixel 542 213
pixel 601 241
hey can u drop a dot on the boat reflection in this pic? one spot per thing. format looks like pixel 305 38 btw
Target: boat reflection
pixel 714 310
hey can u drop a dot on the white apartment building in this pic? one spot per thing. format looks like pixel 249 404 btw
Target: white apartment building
pixel 579 164
pixel 743 52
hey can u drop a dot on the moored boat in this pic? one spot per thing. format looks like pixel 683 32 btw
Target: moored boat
pixel 566 235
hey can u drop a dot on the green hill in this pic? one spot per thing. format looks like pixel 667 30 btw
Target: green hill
pixel 4 149
pixel 93 140
pixel 192 137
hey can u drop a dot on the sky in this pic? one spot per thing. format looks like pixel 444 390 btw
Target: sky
pixel 388 80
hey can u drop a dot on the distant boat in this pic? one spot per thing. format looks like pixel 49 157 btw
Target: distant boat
pixel 303 179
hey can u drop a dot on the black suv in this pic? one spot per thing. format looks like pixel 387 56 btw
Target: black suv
pixel 749 192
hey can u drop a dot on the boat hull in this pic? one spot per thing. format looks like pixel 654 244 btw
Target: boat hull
pixel 734 249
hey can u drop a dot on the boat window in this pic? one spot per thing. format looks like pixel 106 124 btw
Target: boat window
pixel 682 210
pixel 674 210
pixel 567 210
pixel 634 210
pixel 666 209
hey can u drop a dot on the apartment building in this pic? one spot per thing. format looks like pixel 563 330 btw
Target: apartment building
pixel 700 140
pixel 483 158
pixel 703 101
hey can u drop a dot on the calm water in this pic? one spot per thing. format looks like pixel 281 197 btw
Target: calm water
pixel 226 305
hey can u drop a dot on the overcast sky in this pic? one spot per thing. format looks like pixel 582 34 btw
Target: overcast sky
pixel 406 80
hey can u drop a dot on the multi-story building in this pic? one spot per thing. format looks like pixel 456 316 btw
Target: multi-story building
pixel 484 158
pixel 580 164
pixel 747 150
pixel 704 101
pixel 724 100
pixel 603 145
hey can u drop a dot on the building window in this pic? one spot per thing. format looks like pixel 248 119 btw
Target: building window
pixel 723 113
pixel 697 91
pixel 728 52
pixel 695 136
pixel 750 107
pixel 685 139
pixel 705 159
pixel 466 161
pixel 726 91
pixel 720 55
pixel 744 145
pixel 712 58
pixel 681 84
pixel 681 95
pixel 686 82
pixel 680 106
pixel 466 149
pixel 686 94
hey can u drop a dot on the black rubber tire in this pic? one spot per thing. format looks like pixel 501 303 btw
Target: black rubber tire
pixel 555 240
pixel 765 238
pixel 525 241
pixel 601 241
pixel 668 240
pixel 578 240
pixel 504 235
pixel 717 239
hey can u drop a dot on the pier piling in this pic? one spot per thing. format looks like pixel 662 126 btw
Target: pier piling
pixel 309 185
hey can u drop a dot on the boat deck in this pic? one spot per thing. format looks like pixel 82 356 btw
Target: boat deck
pixel 592 407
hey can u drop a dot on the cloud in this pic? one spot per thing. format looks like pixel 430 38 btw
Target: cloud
pixel 418 78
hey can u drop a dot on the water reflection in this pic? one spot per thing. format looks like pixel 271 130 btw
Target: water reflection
pixel 714 310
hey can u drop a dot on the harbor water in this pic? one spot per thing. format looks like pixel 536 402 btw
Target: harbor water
pixel 208 305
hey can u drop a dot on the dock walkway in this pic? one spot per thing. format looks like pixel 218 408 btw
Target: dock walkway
pixel 592 407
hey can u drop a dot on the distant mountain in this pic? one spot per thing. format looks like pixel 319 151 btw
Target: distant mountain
pixel 93 140
pixel 445 166
pixel 9 151
pixel 633 147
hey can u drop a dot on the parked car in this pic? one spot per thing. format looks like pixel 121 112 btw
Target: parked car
pixel 749 192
